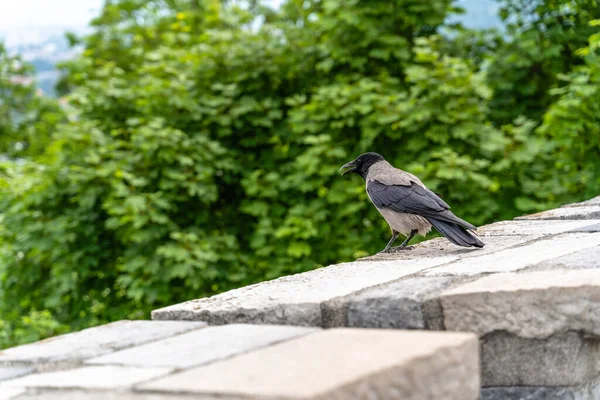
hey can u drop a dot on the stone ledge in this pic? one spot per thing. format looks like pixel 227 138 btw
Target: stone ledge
pixel 71 349
pixel 571 213
pixel 104 377
pixel 202 346
pixel 592 202
pixel 343 364
pixel 529 305
pixel 300 299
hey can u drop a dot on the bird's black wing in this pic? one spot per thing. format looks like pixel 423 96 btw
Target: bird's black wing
pixel 413 199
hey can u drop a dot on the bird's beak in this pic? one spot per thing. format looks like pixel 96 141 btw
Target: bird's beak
pixel 351 167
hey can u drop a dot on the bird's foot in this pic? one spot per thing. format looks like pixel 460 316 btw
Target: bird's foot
pixel 400 248
pixel 392 250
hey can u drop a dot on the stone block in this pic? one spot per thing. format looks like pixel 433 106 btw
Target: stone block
pixel 13 372
pixel 583 259
pixel 342 364
pixel 534 228
pixel 296 299
pixel 566 359
pixel 92 377
pixel 71 394
pixel 202 346
pixel 592 202
pixel 586 392
pixel 529 305
pixel 8 393
pixel 70 349
pixel 517 258
pixel 583 212
pixel 406 304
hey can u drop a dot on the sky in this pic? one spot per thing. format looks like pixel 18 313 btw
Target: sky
pixel 26 13
pixel 17 17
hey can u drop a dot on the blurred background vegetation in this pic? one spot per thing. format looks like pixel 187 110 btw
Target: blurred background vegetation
pixel 199 147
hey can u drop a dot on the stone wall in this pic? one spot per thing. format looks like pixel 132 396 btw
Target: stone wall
pixel 524 312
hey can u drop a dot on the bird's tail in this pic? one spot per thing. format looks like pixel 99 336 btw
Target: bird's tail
pixel 455 233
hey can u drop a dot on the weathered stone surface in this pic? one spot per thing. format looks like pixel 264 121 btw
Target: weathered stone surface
pixel 535 228
pixel 203 346
pixel 518 258
pixel 68 350
pixel 93 377
pixel 405 304
pixel 13 372
pixel 529 305
pixel 584 259
pixel 586 392
pixel 442 247
pixel 588 228
pixel 296 299
pixel 8 393
pixel 343 364
pixel 70 394
pixel 562 360
pixel 584 212
pixel 592 202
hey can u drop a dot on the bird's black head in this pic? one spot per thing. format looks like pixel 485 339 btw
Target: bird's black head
pixel 362 164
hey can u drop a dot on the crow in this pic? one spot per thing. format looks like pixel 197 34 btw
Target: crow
pixel 407 205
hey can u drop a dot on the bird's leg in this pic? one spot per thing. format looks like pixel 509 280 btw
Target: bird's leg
pixel 404 244
pixel 387 247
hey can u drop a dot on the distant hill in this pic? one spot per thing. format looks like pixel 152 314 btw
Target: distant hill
pixel 43 47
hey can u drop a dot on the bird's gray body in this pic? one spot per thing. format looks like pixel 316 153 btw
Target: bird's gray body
pixel 407 205
pixel 400 222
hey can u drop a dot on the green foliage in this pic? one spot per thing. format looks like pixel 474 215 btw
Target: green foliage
pixel 544 36
pixel 204 148
pixel 26 120
pixel 32 327
pixel 572 125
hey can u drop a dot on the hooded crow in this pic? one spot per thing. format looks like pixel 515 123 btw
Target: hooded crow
pixel 407 205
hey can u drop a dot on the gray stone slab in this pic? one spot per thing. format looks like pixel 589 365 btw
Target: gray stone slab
pixel 70 349
pixel 74 394
pixel 517 258
pixel 567 359
pixel 535 228
pixel 406 304
pixel 93 377
pixel 587 392
pixel 295 299
pixel 588 228
pixel 584 259
pixel 529 305
pixel 203 346
pixel 8 393
pixel 343 364
pixel 592 202
pixel 584 212
pixel 13 372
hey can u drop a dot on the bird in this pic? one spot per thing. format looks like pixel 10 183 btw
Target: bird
pixel 407 205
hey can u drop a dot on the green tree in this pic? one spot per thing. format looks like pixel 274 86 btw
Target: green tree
pixel 26 119
pixel 541 42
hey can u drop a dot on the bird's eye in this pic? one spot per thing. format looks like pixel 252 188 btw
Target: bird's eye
pixel 358 161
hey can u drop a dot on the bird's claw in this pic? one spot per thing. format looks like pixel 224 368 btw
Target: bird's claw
pixel 395 249
pixel 399 248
